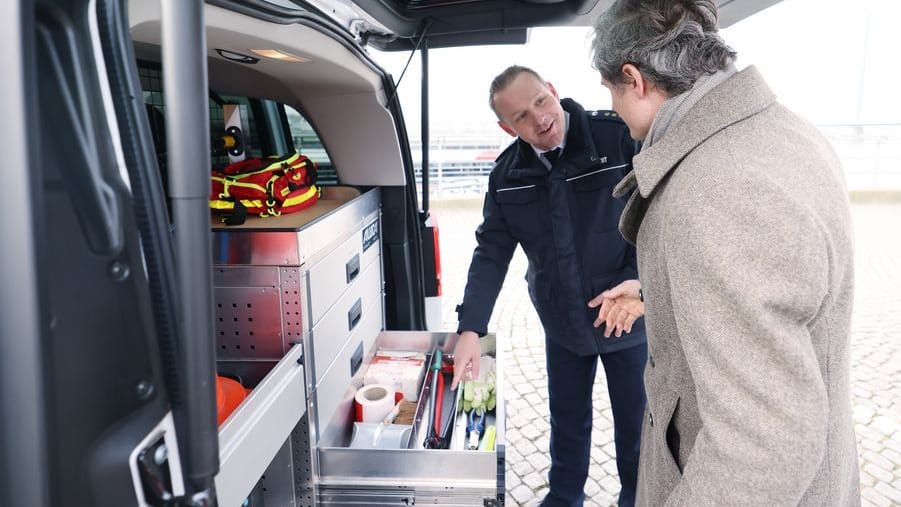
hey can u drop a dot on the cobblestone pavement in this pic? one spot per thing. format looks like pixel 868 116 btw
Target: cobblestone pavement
pixel 875 374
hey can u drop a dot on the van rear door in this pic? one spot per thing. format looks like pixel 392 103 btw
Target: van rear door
pixel 398 24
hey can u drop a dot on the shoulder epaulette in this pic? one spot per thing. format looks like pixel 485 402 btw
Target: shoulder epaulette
pixel 605 115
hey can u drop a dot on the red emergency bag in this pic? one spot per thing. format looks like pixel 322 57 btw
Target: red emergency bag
pixel 263 186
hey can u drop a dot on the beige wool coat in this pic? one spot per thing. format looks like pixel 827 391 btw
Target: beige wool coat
pixel 745 255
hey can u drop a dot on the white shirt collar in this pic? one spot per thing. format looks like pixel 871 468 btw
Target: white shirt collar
pixel 562 144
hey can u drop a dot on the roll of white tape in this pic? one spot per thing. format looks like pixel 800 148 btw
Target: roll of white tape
pixel 376 401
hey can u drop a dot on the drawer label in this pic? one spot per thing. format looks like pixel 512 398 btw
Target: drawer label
pixel 370 235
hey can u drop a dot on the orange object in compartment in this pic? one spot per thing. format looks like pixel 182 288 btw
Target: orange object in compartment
pixel 229 394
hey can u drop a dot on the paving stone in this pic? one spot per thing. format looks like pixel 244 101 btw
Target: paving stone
pixel 539 461
pixel 526 447
pixel 539 496
pixel 863 414
pixel 516 403
pixel 525 388
pixel 534 481
pixel 866 479
pixel 878 460
pixel 878 472
pixel 894 443
pixel 867 432
pixel 884 425
pixel 604 499
pixel 610 483
pixel 524 468
pixel 543 444
pixel 875 498
pixel 511 479
pixel 889 492
pixel 860 392
pixel 521 494
pixel 514 423
pixel 591 488
pixel 512 455
pixel 610 448
pixel 534 399
pixel 598 454
pixel 610 468
pixel 604 423
pixel 530 414
pixel 532 432
pixel 869 445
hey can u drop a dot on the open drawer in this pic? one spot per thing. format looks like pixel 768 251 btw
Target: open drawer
pixel 255 432
pixel 413 475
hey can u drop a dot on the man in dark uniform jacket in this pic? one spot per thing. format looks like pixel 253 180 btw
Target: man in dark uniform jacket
pixel 551 192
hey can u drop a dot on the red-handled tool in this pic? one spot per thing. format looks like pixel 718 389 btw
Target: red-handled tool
pixel 439 401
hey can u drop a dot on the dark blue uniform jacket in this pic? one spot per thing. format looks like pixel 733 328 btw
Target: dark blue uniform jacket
pixel 567 223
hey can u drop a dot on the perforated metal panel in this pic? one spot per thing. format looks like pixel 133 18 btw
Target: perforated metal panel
pixel 248 324
pixel 303 466
pixel 258 311
pixel 292 312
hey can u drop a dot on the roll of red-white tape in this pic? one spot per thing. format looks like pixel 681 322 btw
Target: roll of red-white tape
pixel 374 402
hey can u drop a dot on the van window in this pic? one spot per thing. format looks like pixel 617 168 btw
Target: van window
pixel 267 131
pixel 307 141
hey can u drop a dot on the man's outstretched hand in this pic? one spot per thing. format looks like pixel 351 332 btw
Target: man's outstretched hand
pixel 467 354
pixel 620 307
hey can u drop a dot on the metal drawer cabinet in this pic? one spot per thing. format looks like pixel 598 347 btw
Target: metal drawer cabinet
pixel 265 328
pixel 375 477
pixel 262 277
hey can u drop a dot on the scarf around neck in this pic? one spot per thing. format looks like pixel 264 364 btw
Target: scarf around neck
pixel 674 109
pixel 671 112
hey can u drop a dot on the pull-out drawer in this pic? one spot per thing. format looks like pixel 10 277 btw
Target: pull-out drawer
pixel 332 396
pixel 414 475
pixel 360 302
pixel 340 268
pixel 253 434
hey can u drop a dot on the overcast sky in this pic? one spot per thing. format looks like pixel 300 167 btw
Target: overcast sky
pixel 833 61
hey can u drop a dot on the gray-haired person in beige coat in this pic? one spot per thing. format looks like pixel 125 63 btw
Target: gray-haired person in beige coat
pixel 741 220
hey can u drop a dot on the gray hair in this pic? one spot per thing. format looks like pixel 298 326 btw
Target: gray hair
pixel 671 42
pixel 503 80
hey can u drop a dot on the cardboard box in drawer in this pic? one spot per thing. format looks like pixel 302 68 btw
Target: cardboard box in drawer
pixel 399 369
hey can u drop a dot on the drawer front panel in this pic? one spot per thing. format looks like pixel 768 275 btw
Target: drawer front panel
pixel 334 392
pixel 359 302
pixel 338 270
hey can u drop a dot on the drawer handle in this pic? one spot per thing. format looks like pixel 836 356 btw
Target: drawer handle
pixel 353 267
pixel 354 315
pixel 356 360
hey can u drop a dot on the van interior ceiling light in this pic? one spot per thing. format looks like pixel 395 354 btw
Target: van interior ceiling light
pixel 237 57
pixel 276 54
